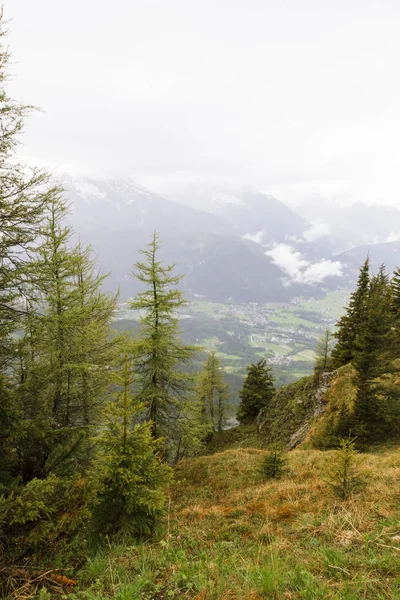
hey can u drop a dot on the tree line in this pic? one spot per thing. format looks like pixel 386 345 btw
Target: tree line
pixel 367 337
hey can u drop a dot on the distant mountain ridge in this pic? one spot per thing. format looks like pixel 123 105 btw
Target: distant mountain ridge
pixel 360 224
pixel 248 211
pixel 387 253
pixel 132 205
pixel 118 217
pixel 247 247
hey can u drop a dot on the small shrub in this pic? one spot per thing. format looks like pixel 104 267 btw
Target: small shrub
pixel 346 478
pixel 274 464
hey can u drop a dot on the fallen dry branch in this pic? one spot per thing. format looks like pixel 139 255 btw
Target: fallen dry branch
pixel 20 583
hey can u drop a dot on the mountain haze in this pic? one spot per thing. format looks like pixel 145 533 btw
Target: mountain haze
pixel 238 247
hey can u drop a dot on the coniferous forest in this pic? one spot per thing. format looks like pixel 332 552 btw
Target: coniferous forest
pixel 121 475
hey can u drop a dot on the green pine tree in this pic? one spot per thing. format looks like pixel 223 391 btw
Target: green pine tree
pixel 257 392
pixel 394 338
pixel 396 288
pixel 161 360
pixel 369 361
pixel 350 325
pixel 130 474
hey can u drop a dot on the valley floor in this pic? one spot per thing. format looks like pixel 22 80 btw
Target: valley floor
pixel 231 535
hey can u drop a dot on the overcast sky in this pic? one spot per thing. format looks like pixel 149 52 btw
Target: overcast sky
pixel 297 97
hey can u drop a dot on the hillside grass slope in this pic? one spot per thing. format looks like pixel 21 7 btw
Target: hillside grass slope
pixel 231 535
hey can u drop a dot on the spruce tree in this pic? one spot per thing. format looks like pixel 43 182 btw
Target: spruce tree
pixel 350 325
pixel 130 475
pixel 257 392
pixel 161 360
pixel 369 416
pixel 394 341
pixel 396 287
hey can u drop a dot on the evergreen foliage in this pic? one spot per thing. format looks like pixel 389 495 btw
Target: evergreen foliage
pixel 213 394
pixel 161 360
pixel 9 432
pixel 257 392
pixel 25 194
pixel 346 477
pixel 43 516
pixel 323 351
pixel 274 465
pixel 350 325
pixel 369 412
pixel 394 340
pixel 367 337
pixel 159 352
pixel 130 474
pixel 66 353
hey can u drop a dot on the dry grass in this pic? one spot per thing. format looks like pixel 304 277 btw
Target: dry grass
pixel 233 535
pixel 223 497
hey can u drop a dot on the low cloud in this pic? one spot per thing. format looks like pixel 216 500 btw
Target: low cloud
pixel 394 236
pixel 300 270
pixel 317 229
pixel 288 259
pixel 317 272
pixel 255 237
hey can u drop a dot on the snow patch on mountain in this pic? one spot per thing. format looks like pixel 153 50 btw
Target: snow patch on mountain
pixel 301 270
pixel 112 191
pixel 88 190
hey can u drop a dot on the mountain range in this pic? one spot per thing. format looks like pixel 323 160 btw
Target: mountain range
pixel 244 246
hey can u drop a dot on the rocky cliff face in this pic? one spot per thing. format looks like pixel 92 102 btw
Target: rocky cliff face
pixel 295 409
pixel 313 410
pixel 321 402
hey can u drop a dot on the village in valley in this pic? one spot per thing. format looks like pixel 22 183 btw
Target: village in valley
pixel 285 334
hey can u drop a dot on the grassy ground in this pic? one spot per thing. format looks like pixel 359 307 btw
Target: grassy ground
pixel 231 535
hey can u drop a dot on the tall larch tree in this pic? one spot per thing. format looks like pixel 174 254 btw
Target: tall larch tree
pixel 25 194
pixel 66 354
pixel 213 393
pixel 161 360
pixel 323 351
